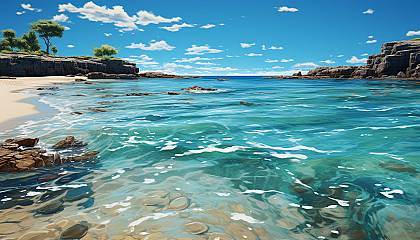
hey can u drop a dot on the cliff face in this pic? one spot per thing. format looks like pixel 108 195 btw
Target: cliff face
pixel 397 59
pixel 17 65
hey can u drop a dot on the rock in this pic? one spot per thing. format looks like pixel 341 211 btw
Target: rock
pixel 25 142
pixel 140 94
pixel 197 88
pixel 153 201
pixel 222 79
pixel 220 236
pixel 299 74
pixel 78 113
pixel 50 208
pixel 80 80
pixel 158 193
pixel 83 157
pixel 195 228
pixel 69 142
pixel 398 168
pixel 8 228
pixel 240 231
pixel 75 194
pixel 179 203
pixel 76 231
pixel 113 102
pixel 249 104
pixel 88 83
pixel 161 75
pixel 98 110
pixel 173 93
pixel 19 65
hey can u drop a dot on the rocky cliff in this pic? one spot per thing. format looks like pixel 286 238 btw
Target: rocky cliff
pixel 19 65
pixel 397 59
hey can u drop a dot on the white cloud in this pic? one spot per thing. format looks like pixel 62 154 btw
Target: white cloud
pixel 174 65
pixel 340 56
pixel 108 34
pixel 208 26
pixel 204 63
pixel 369 11
pixel 176 27
pixel 253 54
pixel 20 13
pixel 70 46
pixel 29 7
pixel 222 24
pixel 370 36
pixel 277 67
pixel 354 60
pixel 307 65
pixel 154 46
pixel 365 54
pixel 263 48
pixel 66 28
pixel 413 33
pixel 271 61
pixel 196 59
pixel 247 45
pixel 218 69
pixel 142 60
pixel 115 15
pixel 286 60
pixel 275 48
pixel 287 9
pixel 371 41
pixel 60 18
pixel 328 61
pixel 201 50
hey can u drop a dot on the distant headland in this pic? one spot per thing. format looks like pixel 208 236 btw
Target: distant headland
pixel 400 59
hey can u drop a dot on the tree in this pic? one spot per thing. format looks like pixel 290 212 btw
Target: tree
pixel 8 41
pixel 46 30
pixel 31 41
pixel 104 50
pixel 54 49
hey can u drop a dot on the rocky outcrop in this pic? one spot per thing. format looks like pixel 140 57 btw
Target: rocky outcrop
pixel 399 59
pixel 102 75
pixel 19 155
pixel 197 88
pixel 19 65
pixel 161 75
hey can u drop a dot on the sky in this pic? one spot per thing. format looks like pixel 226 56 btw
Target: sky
pixel 223 37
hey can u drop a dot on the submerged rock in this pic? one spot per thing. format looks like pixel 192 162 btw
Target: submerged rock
pixel 98 110
pixel 195 228
pixel 153 201
pixel 398 168
pixel 141 94
pixel 78 193
pixel 75 232
pixel 197 88
pixel 50 208
pixel 249 104
pixel 220 236
pixel 179 203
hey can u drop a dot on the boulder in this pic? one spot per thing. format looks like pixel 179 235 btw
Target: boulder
pixel 197 88
pixel 24 142
pixel 69 142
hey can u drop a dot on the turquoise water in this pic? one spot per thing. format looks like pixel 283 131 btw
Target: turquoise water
pixel 311 159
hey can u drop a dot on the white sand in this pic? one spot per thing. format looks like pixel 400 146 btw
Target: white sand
pixel 10 106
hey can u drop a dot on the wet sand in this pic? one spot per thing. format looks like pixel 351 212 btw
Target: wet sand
pixel 13 108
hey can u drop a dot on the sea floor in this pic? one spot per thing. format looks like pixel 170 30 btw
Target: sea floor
pixel 301 159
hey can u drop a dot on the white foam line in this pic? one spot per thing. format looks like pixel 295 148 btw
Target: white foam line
pixel 296 148
pixel 388 155
pixel 213 148
pixel 246 218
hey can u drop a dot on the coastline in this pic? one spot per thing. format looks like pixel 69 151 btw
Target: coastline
pixel 15 108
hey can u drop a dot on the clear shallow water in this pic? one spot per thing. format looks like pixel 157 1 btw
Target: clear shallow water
pixel 317 159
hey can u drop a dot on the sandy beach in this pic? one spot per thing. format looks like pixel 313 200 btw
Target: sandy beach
pixel 12 107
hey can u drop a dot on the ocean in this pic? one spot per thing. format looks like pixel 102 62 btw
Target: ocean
pixel 300 159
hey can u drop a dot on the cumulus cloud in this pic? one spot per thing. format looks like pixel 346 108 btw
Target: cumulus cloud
pixel 355 60
pixel 66 28
pixel 154 46
pixel 253 54
pixel 218 69
pixel 275 48
pixel 208 26
pixel 196 59
pixel 277 67
pixel 28 7
pixel 365 54
pixel 271 61
pixel 247 45
pixel 115 15
pixel 287 9
pixel 174 65
pixel 370 36
pixel 328 61
pixel 108 34
pixel 340 56
pixel 70 46
pixel 143 60
pixel 371 41
pixel 176 27
pixel 204 63
pixel 20 13
pixel 369 11
pixel 413 33
pixel 286 60
pixel 60 18
pixel 201 50
pixel 263 48
pixel 307 65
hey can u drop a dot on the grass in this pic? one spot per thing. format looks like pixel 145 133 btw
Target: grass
pixel 415 39
pixel 39 53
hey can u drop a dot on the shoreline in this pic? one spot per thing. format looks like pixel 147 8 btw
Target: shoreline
pixel 15 108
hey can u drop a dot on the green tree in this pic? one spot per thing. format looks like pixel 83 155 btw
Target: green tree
pixel 54 49
pixel 31 41
pixel 46 30
pixel 21 44
pixel 8 42
pixel 104 50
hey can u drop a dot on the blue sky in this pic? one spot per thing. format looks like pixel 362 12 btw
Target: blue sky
pixel 229 37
